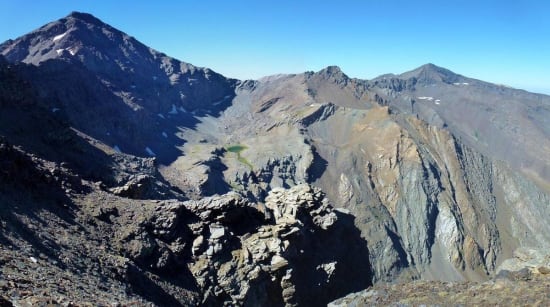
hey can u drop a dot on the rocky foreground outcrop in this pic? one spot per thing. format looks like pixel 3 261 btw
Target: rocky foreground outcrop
pixel 295 249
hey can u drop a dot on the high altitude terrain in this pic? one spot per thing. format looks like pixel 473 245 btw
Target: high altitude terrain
pixel 130 176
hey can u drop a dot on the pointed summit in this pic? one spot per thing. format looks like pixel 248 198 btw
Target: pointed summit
pixel 101 48
pixel 430 73
pixel 64 38
pixel 332 71
pixel 85 17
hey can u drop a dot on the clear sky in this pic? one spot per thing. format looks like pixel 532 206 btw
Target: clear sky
pixel 505 42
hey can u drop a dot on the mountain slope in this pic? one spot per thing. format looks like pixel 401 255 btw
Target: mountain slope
pixel 498 121
pixel 138 96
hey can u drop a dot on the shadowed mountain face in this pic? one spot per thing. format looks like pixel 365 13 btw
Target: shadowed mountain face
pixel 114 87
pixel 436 175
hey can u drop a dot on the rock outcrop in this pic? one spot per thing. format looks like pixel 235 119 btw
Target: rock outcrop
pixel 287 251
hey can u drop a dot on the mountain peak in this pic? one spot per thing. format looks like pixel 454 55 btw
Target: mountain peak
pixel 332 71
pixel 77 34
pixel 432 68
pixel 86 17
pixel 431 73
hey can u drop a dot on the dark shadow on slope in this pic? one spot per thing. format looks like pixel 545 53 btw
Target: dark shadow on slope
pixel 396 241
pixel 317 167
pixel 215 184
pixel 159 256
pixel 329 264
pixel 28 120
pixel 433 173
pixel 15 227
pixel 27 189
pixel 43 136
pixel 146 115
pixel 142 285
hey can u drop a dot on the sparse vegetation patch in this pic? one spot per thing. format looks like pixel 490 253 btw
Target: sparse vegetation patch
pixel 237 149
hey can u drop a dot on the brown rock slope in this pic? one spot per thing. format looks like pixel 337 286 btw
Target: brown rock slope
pixel 521 281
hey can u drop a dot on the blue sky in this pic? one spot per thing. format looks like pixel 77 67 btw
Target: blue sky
pixel 506 42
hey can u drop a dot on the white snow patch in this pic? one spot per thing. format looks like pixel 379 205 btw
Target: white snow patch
pixel 59 51
pixel 72 51
pixel 161 116
pixel 133 86
pixel 164 134
pixel 58 37
pixel 150 152
pixel 55 110
pixel 155 78
pixel 34 260
pixel 117 149
pixel 224 99
pixel 342 210
pixel 183 110
pixel 465 83
pixel 174 110
pixel 425 98
pixel 437 102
